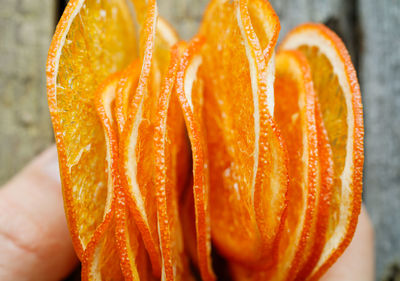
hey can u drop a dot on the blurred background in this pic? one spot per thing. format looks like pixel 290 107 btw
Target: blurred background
pixel 369 28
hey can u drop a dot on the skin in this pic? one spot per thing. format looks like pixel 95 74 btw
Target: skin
pixel 35 242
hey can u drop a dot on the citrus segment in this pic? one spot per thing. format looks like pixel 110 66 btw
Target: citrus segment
pixel 77 63
pixel 336 85
pixel 189 90
pixel 238 103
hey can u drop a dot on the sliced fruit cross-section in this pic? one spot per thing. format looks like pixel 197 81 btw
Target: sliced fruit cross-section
pixel 295 115
pixel 169 132
pixel 74 73
pixel 338 92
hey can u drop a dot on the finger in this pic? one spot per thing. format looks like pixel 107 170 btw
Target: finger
pixel 358 261
pixel 34 238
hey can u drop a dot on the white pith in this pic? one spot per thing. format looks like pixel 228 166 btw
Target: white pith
pixel 166 32
pixel 107 98
pixel 190 76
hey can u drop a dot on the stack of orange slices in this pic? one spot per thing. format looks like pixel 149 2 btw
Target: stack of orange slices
pixel 169 148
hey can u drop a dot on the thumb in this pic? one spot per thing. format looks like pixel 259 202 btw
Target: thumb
pixel 34 238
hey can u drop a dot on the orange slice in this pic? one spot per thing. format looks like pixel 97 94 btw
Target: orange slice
pixel 101 252
pixel 295 115
pixel 77 63
pixel 248 175
pixel 317 237
pixel 111 241
pixel 338 92
pixel 136 148
pixel 189 89
pixel 168 135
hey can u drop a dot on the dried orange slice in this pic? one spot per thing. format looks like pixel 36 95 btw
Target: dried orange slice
pixel 101 252
pixel 137 139
pixel 338 92
pixel 248 175
pixel 317 238
pixel 168 135
pixel 295 115
pixel 189 89
pixel 77 63
pixel 116 238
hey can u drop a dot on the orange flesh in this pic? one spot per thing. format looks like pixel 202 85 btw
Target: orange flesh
pixel 334 112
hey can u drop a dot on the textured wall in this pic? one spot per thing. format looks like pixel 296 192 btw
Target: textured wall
pixel 26 27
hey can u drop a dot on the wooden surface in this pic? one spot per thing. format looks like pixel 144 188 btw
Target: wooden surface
pixel 370 29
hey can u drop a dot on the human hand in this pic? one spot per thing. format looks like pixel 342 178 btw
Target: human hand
pixel 35 242
pixel 34 237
